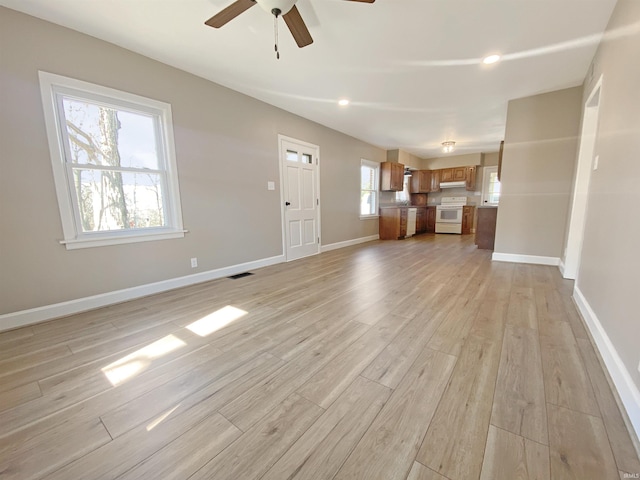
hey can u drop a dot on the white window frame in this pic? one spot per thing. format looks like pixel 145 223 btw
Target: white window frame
pixel 52 87
pixel 376 168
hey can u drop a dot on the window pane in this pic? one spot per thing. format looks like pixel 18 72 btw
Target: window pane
pixel 367 203
pixel 292 156
pixel 368 177
pixel 403 196
pixel 100 135
pixel 109 200
pixel 306 158
pixel 494 188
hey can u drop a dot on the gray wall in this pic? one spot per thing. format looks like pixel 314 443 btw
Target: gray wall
pixel 610 260
pixel 538 162
pixel 227 150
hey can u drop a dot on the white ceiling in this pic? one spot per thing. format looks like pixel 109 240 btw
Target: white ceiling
pixel 411 68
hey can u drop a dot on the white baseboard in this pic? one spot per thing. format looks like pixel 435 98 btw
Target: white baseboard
pixel 627 389
pixel 48 312
pixel 516 258
pixel 348 243
pixel 561 268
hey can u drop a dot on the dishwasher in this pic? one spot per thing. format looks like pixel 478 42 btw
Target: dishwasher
pixel 411 221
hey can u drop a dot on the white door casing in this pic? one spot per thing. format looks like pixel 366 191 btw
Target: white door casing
pixel 299 171
pixel 584 166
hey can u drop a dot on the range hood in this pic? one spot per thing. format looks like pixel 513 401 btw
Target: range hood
pixel 458 184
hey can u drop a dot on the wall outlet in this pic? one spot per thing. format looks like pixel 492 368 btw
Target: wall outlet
pixel 194 262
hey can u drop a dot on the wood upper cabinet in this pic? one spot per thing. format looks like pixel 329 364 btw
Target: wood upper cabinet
pixel 435 180
pixel 470 177
pixel 420 181
pixel 391 177
pixel 459 174
pixel 446 175
pixel 467 218
pixel 431 219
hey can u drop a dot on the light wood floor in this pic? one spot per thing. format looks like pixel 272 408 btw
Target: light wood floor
pixel 417 359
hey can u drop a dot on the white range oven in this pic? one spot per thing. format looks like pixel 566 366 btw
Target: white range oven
pixel 449 215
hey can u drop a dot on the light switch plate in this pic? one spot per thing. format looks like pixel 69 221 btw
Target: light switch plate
pixel 271 185
pixel 595 162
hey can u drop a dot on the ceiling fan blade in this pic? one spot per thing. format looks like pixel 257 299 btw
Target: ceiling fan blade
pixel 229 13
pixel 297 27
pixel 363 1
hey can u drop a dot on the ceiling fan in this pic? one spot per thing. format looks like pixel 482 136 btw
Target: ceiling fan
pixel 285 8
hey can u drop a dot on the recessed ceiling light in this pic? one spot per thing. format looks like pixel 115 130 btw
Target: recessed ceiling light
pixel 491 59
pixel 343 102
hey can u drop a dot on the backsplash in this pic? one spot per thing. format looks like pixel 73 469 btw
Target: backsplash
pixel 473 198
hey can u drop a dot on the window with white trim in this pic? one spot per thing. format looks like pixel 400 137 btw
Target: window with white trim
pixel 114 164
pixel 369 172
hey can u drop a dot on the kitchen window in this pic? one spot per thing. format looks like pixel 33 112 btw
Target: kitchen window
pixel 403 195
pixel 114 164
pixel 369 181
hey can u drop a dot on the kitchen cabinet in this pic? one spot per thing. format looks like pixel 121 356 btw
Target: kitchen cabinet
pixel 393 223
pixel 459 174
pixel 446 174
pixel 420 181
pixel 431 219
pixel 421 220
pixel 486 227
pixel 391 177
pixel 435 181
pixel 401 221
pixel 467 219
pixel 470 177
pixel 454 174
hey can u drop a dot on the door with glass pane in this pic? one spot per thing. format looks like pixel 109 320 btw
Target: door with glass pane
pixel 490 186
pixel 301 198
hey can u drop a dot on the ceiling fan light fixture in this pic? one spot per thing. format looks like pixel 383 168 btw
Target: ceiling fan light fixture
pixel 447 147
pixel 282 5
pixel 488 60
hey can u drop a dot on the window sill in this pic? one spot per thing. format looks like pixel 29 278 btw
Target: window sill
pixel 367 217
pixel 104 241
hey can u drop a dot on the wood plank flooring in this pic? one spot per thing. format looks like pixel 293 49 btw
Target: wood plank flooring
pixel 411 360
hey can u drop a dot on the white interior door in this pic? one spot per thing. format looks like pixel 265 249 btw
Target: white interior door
pixel 299 166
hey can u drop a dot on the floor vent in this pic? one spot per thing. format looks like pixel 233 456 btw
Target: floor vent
pixel 240 275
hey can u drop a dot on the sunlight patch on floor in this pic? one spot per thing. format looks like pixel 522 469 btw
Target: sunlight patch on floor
pixel 157 421
pixel 133 364
pixel 216 320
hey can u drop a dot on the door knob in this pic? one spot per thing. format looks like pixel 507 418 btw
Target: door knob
pixel 287 203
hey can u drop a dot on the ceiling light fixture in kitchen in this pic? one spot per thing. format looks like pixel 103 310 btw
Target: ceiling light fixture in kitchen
pixel 343 102
pixel 447 147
